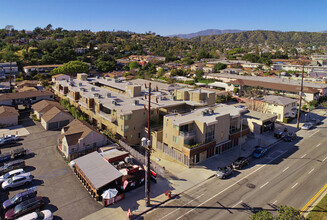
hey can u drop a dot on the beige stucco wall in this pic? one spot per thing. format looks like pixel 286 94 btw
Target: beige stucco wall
pixel 9 121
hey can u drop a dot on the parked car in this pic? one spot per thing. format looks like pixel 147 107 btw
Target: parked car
pixel 240 162
pixel 20 197
pixel 45 215
pixel 8 139
pixel 17 180
pixel 307 126
pixel 5 157
pixel 19 152
pixel 11 166
pixel 290 137
pixel 259 152
pixel 25 207
pixel 224 172
pixel 242 106
pixel 11 174
pixel 279 134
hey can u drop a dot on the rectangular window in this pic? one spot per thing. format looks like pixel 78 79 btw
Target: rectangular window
pixel 175 139
pixel 126 127
pixel 176 127
pixel 210 133
pixel 166 135
pixel 167 123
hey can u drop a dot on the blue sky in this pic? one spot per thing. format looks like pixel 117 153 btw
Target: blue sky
pixel 167 16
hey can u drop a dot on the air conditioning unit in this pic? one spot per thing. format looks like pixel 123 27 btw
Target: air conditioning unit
pixel 114 102
pixel 108 94
pixel 92 88
pixel 80 84
pixel 136 102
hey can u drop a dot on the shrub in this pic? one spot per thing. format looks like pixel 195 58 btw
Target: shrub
pixel 304 107
pixel 287 120
pixel 313 103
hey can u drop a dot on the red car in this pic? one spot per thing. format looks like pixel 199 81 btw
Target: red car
pixel 23 208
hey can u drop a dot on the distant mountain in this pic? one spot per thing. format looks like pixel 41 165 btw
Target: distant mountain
pixel 265 37
pixel 323 31
pixel 205 33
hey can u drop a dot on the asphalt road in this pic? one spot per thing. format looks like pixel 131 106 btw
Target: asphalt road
pixel 290 174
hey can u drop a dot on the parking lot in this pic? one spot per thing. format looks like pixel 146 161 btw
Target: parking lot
pixel 64 195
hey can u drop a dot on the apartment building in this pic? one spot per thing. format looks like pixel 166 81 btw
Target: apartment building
pixel 6 68
pixel 27 98
pixel 40 68
pixel 282 107
pixel 121 107
pixel 193 137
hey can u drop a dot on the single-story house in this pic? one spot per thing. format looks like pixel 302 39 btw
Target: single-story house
pixel 43 106
pixel 55 118
pixel 8 116
pixel 79 138
pixel 96 173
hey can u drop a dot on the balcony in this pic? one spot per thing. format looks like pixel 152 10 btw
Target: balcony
pixel 186 134
pixel 108 117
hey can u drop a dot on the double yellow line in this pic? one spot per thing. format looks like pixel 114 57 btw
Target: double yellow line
pixel 313 198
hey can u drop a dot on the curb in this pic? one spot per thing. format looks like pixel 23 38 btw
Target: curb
pixel 153 207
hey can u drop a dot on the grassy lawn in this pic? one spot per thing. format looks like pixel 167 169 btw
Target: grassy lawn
pixel 320 211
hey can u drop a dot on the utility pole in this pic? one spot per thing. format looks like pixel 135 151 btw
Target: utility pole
pixel 299 111
pixel 148 152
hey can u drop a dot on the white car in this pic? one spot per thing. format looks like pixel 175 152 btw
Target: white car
pixel 17 180
pixel 8 139
pixel 45 214
pixel 307 126
pixel 10 174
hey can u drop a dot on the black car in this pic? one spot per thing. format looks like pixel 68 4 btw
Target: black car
pixel 19 152
pixel 11 166
pixel 290 137
pixel 240 162
pixel 25 207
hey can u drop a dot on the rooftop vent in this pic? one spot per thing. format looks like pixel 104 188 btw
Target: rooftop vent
pixel 136 102
pixel 108 94
pixel 114 102
pixel 92 88
pixel 80 84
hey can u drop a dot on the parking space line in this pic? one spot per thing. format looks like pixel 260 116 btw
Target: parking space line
pixel 311 170
pixel 324 159
pixel 274 202
pixel 314 133
pixel 304 155
pixel 285 169
pixel 318 145
pixel 294 185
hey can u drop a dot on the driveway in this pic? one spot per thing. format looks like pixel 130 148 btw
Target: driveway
pixel 62 191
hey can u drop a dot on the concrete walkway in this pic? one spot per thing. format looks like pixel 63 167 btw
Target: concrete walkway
pixel 181 178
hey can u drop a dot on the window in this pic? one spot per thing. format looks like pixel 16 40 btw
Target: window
pixel 166 135
pixel 210 133
pixel 122 128
pixel 175 139
pixel 126 127
pixel 167 123
pixel 139 135
pixel 176 127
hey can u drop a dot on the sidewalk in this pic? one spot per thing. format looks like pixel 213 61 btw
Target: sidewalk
pixel 181 178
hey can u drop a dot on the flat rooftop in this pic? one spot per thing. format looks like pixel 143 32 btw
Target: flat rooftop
pixel 258 115
pixel 197 115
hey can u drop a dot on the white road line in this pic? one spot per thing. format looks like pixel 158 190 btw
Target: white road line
pixel 285 169
pixel 274 202
pixel 237 204
pixel 314 133
pixel 318 145
pixel 259 168
pixel 264 185
pixel 311 170
pixel 324 159
pixel 294 185
pixel 181 207
pixel 304 155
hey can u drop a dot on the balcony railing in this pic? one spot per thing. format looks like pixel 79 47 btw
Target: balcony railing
pixel 107 117
pixel 187 134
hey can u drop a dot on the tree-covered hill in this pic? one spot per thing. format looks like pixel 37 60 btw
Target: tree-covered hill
pixel 266 37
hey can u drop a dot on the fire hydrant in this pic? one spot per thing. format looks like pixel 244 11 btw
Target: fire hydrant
pixel 168 193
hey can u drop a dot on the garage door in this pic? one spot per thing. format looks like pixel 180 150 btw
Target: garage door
pixel 63 123
pixel 53 125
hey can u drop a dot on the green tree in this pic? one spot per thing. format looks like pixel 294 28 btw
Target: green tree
pixel 71 68
pixel 199 74
pixel 262 215
pixel 220 66
pixel 105 66
pixel 133 65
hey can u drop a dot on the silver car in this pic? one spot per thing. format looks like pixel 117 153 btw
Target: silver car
pixel 18 180
pixel 307 126
pixel 11 174
pixel 224 172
